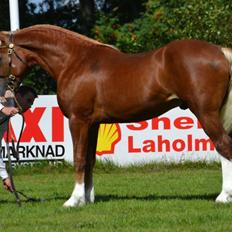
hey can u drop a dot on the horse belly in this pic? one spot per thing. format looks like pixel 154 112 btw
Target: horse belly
pixel 118 112
pixel 226 112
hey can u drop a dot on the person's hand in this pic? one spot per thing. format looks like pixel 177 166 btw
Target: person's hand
pixel 7 184
pixel 9 111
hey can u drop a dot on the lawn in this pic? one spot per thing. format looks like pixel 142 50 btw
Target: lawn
pixel 147 198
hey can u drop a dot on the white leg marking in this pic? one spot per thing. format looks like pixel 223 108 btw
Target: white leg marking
pixel 78 196
pixel 226 194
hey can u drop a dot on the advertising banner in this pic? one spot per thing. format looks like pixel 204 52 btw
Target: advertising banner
pixel 175 136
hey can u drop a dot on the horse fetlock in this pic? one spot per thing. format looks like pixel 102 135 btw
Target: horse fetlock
pixel 78 196
pixel 74 201
pixel 224 197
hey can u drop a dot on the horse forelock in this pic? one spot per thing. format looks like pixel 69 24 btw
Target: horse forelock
pixel 49 29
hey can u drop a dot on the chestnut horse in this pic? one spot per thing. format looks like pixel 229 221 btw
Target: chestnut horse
pixel 96 83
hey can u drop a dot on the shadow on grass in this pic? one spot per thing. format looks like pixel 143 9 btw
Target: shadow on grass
pixel 29 199
pixel 110 197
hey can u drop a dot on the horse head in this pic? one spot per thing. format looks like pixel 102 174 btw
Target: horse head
pixel 13 62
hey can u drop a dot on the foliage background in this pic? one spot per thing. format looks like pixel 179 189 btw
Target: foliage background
pixel 131 25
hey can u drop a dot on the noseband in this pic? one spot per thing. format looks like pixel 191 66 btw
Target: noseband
pixel 12 82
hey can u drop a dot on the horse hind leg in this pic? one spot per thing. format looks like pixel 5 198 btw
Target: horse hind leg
pixel 226 194
pixel 212 125
pixel 218 126
pixel 226 116
pixel 223 143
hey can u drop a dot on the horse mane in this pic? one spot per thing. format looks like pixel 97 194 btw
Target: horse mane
pixel 75 35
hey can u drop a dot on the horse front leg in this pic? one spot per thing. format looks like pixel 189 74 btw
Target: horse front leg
pixel 90 162
pixel 79 131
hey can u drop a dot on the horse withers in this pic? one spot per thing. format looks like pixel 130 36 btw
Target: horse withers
pixel 97 83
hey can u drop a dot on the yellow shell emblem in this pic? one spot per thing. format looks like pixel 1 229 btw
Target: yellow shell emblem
pixel 108 136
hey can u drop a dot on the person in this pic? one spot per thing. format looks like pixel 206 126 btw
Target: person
pixel 25 97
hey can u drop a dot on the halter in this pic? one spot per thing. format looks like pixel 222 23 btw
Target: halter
pixel 12 80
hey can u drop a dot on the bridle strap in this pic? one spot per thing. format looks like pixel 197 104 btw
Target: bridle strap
pixel 12 83
pixel 11 50
pixel 14 191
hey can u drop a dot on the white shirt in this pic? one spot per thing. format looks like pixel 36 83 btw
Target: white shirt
pixel 3 172
pixel 1 106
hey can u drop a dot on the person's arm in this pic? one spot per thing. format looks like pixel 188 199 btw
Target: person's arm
pixel 5 109
pixel 1 106
pixel 3 172
pixel 4 175
pixel 9 111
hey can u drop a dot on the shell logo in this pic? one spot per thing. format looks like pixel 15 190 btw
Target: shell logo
pixel 108 136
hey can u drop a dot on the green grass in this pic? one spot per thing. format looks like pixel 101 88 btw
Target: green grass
pixel 155 197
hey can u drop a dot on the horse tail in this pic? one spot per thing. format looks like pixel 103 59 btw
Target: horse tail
pixel 228 55
pixel 226 110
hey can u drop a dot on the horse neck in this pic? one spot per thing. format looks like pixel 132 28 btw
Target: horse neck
pixel 47 50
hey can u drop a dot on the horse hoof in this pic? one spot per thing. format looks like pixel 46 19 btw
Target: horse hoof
pixel 73 202
pixel 224 198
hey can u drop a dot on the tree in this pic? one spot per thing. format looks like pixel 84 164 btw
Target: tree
pixel 125 11
pixel 164 21
pixel 87 16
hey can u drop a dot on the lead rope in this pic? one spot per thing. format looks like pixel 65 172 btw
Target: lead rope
pixel 16 155
pixel 10 167
pixel 15 149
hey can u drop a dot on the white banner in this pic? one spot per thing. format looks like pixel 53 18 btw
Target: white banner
pixel 172 137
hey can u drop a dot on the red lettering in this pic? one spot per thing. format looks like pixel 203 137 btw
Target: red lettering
pixel 199 125
pixel 149 146
pixel 138 126
pixel 162 142
pixel 131 148
pixel 203 143
pixel 183 123
pixel 32 129
pixel 166 123
pixel 178 145
pixel 11 134
pixel 190 142
pixel 57 125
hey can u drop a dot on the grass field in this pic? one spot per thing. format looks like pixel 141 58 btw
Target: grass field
pixel 147 198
